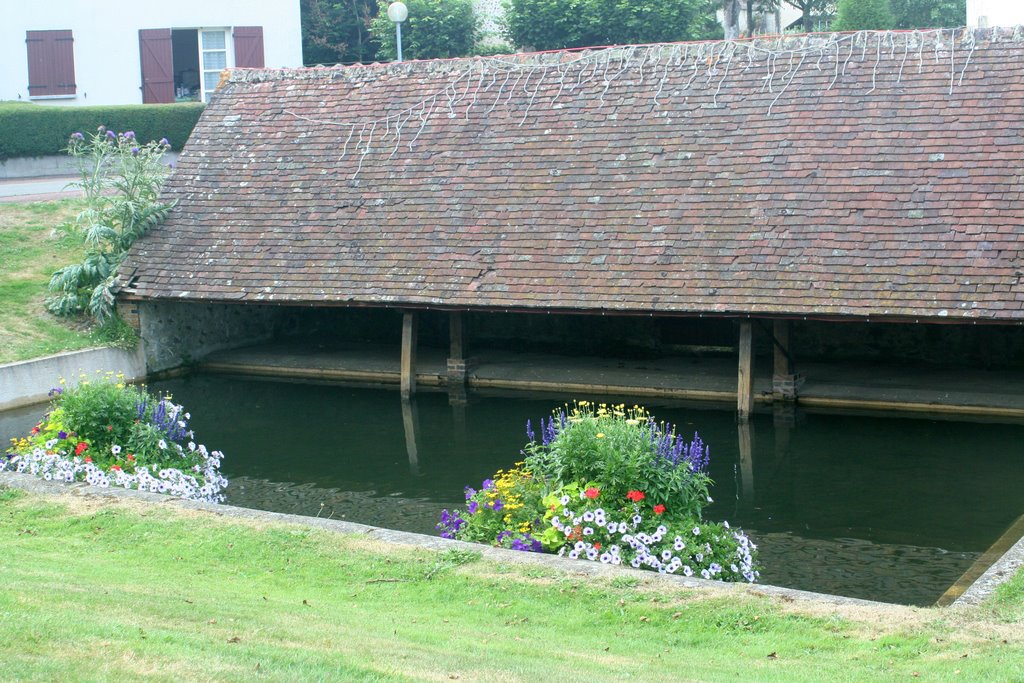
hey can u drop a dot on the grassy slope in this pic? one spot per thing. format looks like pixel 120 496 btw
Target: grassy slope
pixel 121 591
pixel 30 250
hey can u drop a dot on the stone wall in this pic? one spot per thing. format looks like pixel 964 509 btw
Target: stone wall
pixel 178 333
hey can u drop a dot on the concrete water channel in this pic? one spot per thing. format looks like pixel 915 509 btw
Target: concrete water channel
pixel 906 505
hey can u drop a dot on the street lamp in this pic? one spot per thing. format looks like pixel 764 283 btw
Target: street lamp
pixel 398 12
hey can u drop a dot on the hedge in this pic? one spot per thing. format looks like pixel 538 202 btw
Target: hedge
pixel 32 130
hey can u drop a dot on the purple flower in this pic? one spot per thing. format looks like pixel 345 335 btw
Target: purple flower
pixel 470 492
pixel 473 507
pixel 497 505
pixel 77 136
pixel 165 142
pixel 62 434
pixel 135 151
pixel 129 135
pixel 111 135
pixel 488 484
pixel 529 432
pixel 56 391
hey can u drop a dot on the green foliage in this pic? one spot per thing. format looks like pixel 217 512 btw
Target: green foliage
pixel 817 14
pixel 435 29
pixel 929 13
pixel 121 179
pixel 558 24
pixel 338 32
pixel 107 432
pixel 860 15
pixel 617 450
pixel 30 130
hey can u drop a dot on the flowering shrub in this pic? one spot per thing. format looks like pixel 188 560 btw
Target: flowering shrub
pixel 620 450
pixel 108 433
pixel 585 525
pixel 611 485
pixel 507 511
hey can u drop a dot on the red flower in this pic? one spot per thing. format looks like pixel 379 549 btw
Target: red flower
pixel 636 496
pixel 115 467
pixel 131 458
pixel 597 546
pixel 88 459
pixel 81 447
pixel 658 509
pixel 110 428
pixel 592 493
pixel 35 430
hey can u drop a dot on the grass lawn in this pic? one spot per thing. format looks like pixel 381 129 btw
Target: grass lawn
pixel 118 590
pixel 30 250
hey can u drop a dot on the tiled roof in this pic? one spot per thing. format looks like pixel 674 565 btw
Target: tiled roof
pixel 868 175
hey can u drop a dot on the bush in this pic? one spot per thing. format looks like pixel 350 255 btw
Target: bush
pixel 435 29
pixel 557 24
pixel 108 433
pixel 31 130
pixel 611 485
pixel 862 15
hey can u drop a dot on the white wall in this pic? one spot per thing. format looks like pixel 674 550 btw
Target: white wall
pixel 107 68
pixel 996 12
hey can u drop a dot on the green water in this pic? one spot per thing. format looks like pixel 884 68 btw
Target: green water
pixel 887 509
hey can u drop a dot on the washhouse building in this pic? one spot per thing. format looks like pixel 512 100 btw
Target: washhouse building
pixel 777 209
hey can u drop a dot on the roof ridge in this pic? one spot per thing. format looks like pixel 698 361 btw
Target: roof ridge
pixel 775 45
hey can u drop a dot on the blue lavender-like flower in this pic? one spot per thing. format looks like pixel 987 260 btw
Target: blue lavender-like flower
pixel 529 432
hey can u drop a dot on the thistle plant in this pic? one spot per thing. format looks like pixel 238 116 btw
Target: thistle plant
pixel 120 178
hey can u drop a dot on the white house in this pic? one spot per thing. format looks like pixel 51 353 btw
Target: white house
pixel 133 51
pixel 995 12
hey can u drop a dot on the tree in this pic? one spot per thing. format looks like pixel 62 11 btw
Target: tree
pixel 929 13
pixel 860 15
pixel 816 13
pixel 559 24
pixel 334 32
pixel 434 29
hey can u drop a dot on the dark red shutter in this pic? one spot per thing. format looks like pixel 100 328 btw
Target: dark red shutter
pixel 249 47
pixel 157 60
pixel 51 63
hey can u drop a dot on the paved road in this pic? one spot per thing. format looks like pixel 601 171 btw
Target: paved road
pixel 37 189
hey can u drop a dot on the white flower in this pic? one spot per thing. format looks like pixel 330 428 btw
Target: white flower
pixel 725 524
pixel 696 531
pixel 162 444
pixel 612 527
pixel 564 500
pixel 588 516
pixel 115 449
pixel 705 573
pixel 587 531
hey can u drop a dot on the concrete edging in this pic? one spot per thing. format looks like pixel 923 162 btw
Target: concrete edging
pixel 32 484
pixel 28 382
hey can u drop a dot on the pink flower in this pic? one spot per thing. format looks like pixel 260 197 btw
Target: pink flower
pixel 592 493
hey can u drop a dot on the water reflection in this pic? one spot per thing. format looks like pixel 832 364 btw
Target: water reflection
pixel 890 509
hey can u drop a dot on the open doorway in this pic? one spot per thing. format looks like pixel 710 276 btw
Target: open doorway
pixel 185 51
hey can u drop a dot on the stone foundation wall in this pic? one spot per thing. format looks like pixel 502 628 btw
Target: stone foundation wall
pixel 178 333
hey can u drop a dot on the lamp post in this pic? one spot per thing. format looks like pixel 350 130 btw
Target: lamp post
pixel 398 12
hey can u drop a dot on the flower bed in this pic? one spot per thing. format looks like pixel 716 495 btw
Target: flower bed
pixel 108 433
pixel 609 485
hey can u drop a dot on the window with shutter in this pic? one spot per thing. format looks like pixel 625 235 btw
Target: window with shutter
pixel 249 47
pixel 51 63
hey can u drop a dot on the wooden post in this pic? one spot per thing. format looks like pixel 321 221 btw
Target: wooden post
pixel 745 377
pixel 780 365
pixel 455 336
pixel 408 367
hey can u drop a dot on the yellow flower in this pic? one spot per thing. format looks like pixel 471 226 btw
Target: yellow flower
pixel 600 435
